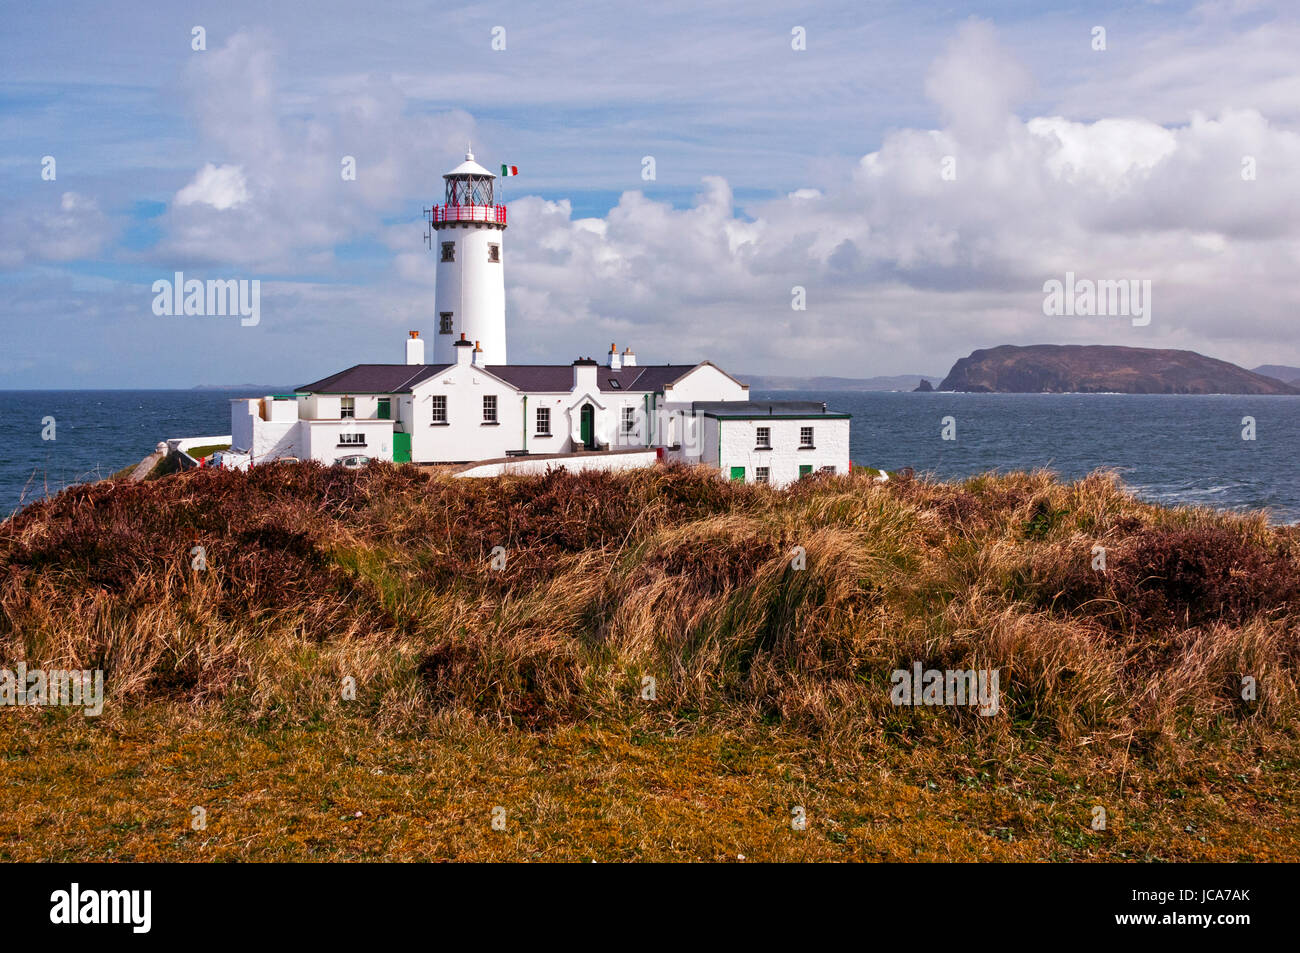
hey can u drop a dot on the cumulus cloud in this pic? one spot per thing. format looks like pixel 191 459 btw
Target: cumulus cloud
pixel 940 241
pixel 222 187
pixel 55 227
pixel 935 242
pixel 278 177
pixel 976 84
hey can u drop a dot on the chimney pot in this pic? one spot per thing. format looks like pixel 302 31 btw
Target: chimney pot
pixel 414 348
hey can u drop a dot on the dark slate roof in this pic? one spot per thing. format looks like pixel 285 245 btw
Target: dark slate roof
pixel 558 378
pixel 546 378
pixel 747 409
pixel 535 378
pixel 375 379
pixel 652 377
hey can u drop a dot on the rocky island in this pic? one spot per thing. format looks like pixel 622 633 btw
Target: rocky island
pixel 1094 369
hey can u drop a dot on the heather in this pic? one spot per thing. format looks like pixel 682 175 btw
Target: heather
pixel 769 618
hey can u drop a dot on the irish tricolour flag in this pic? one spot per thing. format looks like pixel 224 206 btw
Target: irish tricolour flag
pixel 510 170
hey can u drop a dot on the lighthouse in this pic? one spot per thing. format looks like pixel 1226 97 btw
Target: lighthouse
pixel 465 234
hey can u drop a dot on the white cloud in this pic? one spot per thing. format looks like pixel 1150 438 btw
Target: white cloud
pixel 37 230
pixel 904 269
pixel 222 187
pixel 897 253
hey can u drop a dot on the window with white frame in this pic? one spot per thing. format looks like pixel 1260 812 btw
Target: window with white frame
pixel 352 440
pixel 805 438
pixel 543 421
pixel 764 441
pixel 629 420
pixel 347 407
pixel 489 408
pixel 439 402
pixel 761 474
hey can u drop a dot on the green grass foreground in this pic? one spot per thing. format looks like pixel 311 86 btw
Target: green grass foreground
pixel 522 685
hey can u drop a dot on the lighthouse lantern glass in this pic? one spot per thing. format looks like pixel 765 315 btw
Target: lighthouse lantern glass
pixel 469 190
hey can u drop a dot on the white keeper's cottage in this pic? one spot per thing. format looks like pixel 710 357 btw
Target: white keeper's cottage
pixel 471 406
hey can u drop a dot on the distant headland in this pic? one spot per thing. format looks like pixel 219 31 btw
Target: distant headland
pixel 1093 369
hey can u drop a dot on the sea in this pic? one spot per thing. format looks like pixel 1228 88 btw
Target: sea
pixel 1172 449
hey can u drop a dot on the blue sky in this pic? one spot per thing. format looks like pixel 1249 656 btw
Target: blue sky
pixel 775 168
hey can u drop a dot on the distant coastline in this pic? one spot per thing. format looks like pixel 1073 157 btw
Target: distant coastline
pixel 1104 369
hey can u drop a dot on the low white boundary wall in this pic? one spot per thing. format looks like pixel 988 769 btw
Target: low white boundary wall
pixel 573 462
pixel 180 446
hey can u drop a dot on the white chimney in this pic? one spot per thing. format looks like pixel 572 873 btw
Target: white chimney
pixel 584 375
pixel 464 350
pixel 478 354
pixel 613 358
pixel 414 349
pixel 629 359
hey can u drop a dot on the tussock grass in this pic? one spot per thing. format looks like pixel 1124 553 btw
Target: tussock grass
pixel 523 684
pixel 386 575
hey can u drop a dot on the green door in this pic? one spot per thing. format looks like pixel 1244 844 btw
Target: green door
pixel 401 447
pixel 804 470
pixel 738 473
pixel 587 425
pixel 385 408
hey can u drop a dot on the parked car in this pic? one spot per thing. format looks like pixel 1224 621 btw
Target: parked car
pixel 354 462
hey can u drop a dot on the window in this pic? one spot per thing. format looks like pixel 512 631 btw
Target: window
pixel 764 435
pixel 804 470
pixel 738 473
pixel 385 409
pixel 543 421
pixel 439 402
pixel 444 322
pixel 494 252
pixel 615 384
pixel 761 474
pixel 489 408
pixel 448 251
pixel 826 470
pixel 352 440
pixel 805 438
pixel 347 407
pixel 629 420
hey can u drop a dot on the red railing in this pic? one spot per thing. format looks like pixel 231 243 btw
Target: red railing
pixel 494 214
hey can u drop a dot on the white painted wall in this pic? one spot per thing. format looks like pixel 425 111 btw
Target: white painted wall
pixel 243 413
pixel 563 428
pixel 704 382
pixel 188 443
pixel 738 443
pixel 314 433
pixel 265 440
pixel 595 461
pixel 321 439
pixel 273 439
pixel 472 289
pixel 465 437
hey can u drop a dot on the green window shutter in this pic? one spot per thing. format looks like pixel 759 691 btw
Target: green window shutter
pixel 738 473
pixel 804 470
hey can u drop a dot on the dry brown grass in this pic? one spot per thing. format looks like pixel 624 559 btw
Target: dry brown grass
pixel 1130 678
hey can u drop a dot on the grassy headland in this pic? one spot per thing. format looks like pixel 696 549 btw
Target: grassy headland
pixel 522 685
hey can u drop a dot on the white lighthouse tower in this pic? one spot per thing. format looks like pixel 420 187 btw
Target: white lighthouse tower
pixel 465 233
